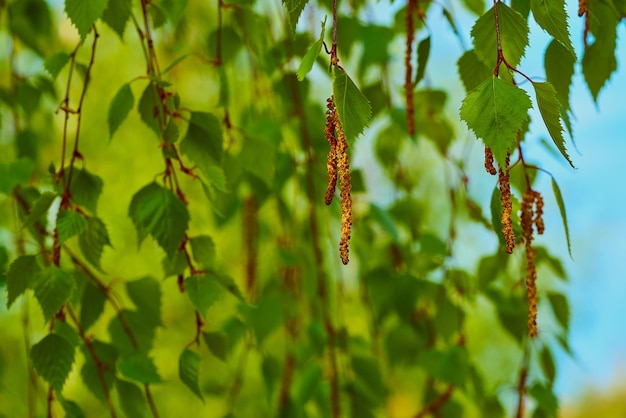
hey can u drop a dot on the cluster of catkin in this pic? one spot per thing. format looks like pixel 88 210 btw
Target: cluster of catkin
pixel 531 218
pixel 338 166
pixel 532 215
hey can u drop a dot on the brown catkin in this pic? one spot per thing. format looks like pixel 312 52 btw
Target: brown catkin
pixel 507 207
pixel 527 219
pixel 489 162
pixel 331 161
pixel 343 167
pixel 538 220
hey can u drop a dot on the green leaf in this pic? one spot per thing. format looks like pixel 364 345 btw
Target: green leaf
pixel 513 36
pixel 55 63
pixel 559 65
pixel 559 201
pixel 93 240
pixel 92 305
pixel 294 10
pixel 203 143
pixel 203 250
pixel 117 14
pixel 423 53
pixel 131 398
pixel 217 342
pixel 139 367
pixel 311 55
pixel 69 223
pixel 265 317
pixel 203 292
pixel 550 109
pixel 85 188
pixel 52 287
pixel 63 329
pixel 546 400
pixel 71 408
pixel 14 173
pixel 189 371
pixel 596 75
pixel 495 111
pixel 53 357
pixel 92 377
pixel 84 13
pixel 39 209
pixel 560 307
pixel 149 110
pixel 551 16
pixel 156 211
pixel 21 275
pixel 353 108
pixel 134 323
pixel 547 365
pixel 120 106
pixel 309 383
pixel 472 70
pixel 146 295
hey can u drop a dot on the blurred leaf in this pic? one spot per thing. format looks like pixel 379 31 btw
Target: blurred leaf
pixel 203 250
pixel 189 370
pixel 93 240
pixel 92 305
pixel 131 398
pixel 353 108
pixel 546 400
pixel 423 53
pixel 69 224
pixel 55 63
pixel 22 274
pixel 63 329
pixel 265 317
pixel 203 142
pixel 547 365
pixel 203 292
pixel 39 209
pixel 309 381
pixel 92 377
pixel 156 211
pixel 14 173
pixel 117 13
pixel 53 357
pixel 149 110
pixel 134 325
pixel 139 367
pixel 71 409
pixel 217 342
pixel 52 287
pixel 146 295
pixel 120 106
pixel 84 13
pixel 85 188
pixel 559 201
pixel 560 307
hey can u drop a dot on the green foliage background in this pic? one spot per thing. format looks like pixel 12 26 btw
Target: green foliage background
pixel 191 265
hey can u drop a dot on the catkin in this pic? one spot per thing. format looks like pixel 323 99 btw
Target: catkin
pixel 507 207
pixel 531 214
pixel 489 162
pixel 331 161
pixel 343 167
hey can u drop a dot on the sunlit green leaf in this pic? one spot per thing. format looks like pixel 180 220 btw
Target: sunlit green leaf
pixel 473 72
pixel 53 357
pixel 495 111
pixel 84 13
pixel 551 16
pixel 311 55
pixel 189 371
pixel 353 108
pixel 513 36
pixel 120 106
pixel 52 287
pixel 156 211
pixel 85 188
pixel 550 109
pixel 559 64
pixel 294 9
pixel 203 250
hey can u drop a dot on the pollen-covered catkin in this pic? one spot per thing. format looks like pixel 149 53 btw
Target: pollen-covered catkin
pixel 538 220
pixel 528 217
pixel 489 162
pixel 331 161
pixel 507 207
pixel 343 167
